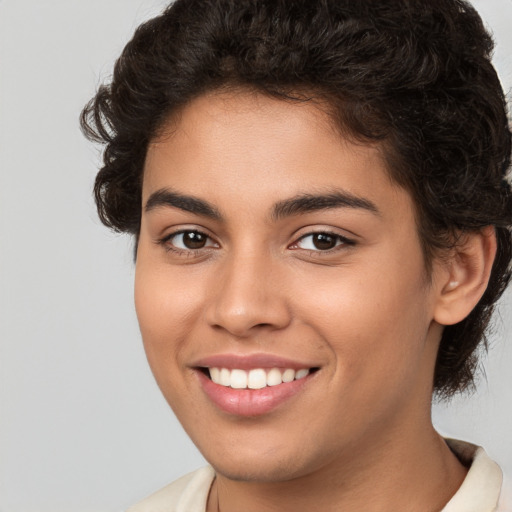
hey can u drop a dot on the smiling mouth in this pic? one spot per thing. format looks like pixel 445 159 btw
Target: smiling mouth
pixel 257 378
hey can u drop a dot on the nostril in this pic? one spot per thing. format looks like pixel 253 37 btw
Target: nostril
pixel 242 311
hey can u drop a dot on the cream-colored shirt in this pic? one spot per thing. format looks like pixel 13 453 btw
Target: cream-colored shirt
pixel 481 490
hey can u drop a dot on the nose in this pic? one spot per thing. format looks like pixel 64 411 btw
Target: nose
pixel 248 296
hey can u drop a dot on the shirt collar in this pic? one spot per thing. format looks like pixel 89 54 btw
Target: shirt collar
pixel 481 488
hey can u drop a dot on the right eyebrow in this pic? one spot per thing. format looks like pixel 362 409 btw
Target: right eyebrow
pixel 305 203
pixel 167 198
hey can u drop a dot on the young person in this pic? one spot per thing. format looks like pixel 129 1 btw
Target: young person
pixel 318 192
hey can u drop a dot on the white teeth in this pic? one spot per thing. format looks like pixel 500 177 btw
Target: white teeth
pixel 274 377
pixel 225 377
pixel 215 375
pixel 238 379
pixel 257 378
pixel 288 375
pixel 301 374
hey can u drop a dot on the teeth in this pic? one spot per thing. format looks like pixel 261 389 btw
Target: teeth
pixel 225 377
pixel 255 379
pixel 288 375
pixel 301 374
pixel 215 375
pixel 238 379
pixel 274 377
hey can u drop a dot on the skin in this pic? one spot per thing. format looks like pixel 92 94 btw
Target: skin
pixel 358 436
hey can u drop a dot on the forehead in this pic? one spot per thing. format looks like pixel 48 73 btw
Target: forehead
pixel 261 150
pixel 222 121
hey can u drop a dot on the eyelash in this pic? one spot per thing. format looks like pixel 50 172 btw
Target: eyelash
pixel 166 242
pixel 341 241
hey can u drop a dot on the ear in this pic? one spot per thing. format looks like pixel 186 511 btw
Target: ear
pixel 465 276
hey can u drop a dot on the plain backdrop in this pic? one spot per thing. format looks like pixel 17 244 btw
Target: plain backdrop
pixel 82 424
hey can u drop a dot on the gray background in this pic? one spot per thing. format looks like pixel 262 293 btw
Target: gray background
pixel 82 424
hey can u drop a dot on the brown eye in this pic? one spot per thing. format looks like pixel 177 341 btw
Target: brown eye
pixel 194 240
pixel 324 241
pixel 188 241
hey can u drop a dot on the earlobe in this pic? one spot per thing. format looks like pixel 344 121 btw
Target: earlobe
pixel 468 272
pixel 451 285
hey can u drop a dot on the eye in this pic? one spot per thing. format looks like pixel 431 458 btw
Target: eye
pixel 188 240
pixel 322 241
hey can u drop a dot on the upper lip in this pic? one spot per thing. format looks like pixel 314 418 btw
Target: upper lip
pixel 250 361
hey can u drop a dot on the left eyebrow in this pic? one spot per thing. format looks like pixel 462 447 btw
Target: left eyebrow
pixel 305 203
pixel 169 198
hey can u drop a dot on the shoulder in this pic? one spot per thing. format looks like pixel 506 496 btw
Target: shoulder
pixel 505 504
pixel 189 493
pixel 482 487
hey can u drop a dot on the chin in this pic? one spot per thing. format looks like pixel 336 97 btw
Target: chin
pixel 263 464
pixel 261 471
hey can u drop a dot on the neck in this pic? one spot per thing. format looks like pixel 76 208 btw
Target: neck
pixel 400 473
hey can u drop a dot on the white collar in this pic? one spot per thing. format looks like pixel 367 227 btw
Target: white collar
pixel 480 491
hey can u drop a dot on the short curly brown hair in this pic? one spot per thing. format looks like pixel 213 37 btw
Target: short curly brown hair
pixel 414 75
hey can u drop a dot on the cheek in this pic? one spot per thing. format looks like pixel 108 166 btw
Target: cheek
pixel 164 305
pixel 374 322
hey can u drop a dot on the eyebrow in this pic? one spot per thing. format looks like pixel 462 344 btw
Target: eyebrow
pixel 300 204
pixel 305 203
pixel 165 198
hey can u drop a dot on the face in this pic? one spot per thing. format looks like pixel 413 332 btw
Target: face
pixel 281 290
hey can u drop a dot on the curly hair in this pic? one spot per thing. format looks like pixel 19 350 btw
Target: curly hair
pixel 412 75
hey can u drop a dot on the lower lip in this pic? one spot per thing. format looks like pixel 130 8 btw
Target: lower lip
pixel 250 402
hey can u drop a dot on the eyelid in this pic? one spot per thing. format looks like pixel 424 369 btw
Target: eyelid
pixel 165 240
pixel 343 240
